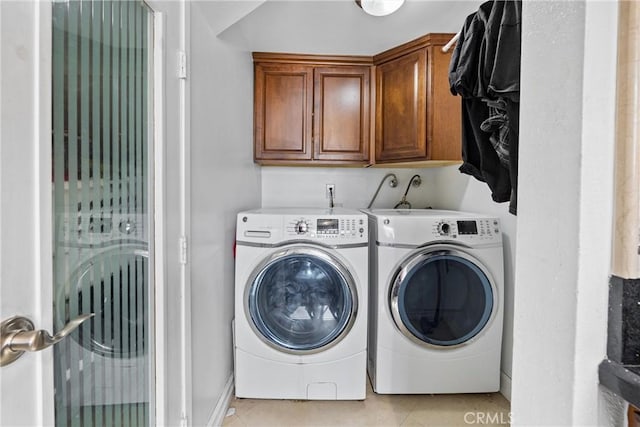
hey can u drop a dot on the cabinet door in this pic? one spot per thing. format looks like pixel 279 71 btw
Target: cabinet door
pixel 341 113
pixel 283 111
pixel 401 116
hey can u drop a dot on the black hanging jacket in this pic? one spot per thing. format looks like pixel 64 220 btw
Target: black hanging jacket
pixel 485 71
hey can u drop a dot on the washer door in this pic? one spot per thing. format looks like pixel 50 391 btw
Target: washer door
pixel 301 299
pixel 442 296
pixel 113 285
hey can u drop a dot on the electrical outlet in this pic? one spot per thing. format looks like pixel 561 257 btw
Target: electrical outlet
pixel 329 189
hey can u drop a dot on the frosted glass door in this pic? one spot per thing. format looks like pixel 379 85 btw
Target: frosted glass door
pixel 101 91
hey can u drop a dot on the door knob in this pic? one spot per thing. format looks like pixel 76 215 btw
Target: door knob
pixel 18 335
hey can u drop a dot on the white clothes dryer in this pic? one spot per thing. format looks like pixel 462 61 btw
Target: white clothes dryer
pixel 300 327
pixel 436 301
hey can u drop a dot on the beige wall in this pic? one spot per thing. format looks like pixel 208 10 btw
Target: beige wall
pixel 223 181
pixel 565 212
pixel 626 257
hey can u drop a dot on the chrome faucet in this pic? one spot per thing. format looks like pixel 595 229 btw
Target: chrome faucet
pixel 404 204
pixel 393 184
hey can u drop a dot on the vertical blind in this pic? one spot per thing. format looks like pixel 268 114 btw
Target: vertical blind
pixel 101 95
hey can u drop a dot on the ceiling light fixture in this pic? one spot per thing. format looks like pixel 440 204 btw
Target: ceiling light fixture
pixel 380 7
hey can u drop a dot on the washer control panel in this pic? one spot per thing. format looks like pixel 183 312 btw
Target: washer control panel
pixel 99 228
pixel 329 228
pixel 332 227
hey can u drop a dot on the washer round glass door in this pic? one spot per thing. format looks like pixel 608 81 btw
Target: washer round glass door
pixel 442 296
pixel 113 284
pixel 301 299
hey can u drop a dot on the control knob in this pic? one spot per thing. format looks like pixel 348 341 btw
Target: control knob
pixel 301 227
pixel 127 226
pixel 444 228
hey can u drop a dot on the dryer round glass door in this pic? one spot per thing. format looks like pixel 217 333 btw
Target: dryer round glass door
pixel 442 297
pixel 301 299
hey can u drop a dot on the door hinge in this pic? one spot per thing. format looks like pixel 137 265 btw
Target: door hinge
pixel 183 250
pixel 182 65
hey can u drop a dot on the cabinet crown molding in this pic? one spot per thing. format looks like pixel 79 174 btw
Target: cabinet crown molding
pixel 431 39
pixel 300 58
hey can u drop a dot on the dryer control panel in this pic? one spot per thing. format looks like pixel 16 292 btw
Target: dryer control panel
pixel 420 226
pixel 467 227
pixel 473 229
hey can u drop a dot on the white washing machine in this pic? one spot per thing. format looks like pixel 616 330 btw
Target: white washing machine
pixel 300 325
pixel 101 265
pixel 436 301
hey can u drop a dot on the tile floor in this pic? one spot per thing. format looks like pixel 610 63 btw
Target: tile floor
pixel 490 409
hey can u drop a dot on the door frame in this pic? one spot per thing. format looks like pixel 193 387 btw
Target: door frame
pixel 44 234
pixel 37 301
pixel 157 413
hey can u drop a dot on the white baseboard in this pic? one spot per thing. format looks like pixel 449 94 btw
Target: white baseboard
pixel 505 386
pixel 220 411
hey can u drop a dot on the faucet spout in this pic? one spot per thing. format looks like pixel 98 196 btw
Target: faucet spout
pixel 404 204
pixel 393 183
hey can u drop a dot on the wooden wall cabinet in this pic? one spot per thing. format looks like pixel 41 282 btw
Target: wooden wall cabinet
pixel 283 111
pixel 416 116
pixel 311 109
pixel 324 110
